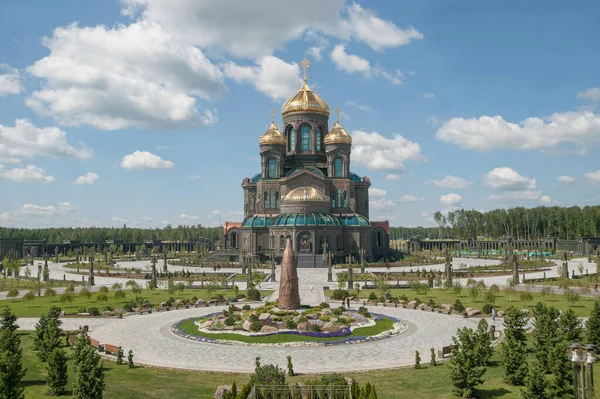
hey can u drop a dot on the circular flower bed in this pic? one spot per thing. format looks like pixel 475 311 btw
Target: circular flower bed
pixel 267 326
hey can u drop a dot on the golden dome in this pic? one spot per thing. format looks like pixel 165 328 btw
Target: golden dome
pixel 337 135
pixel 305 194
pixel 272 136
pixel 305 100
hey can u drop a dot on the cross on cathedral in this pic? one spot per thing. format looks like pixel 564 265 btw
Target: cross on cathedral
pixel 305 64
pixel 272 112
pixel 337 113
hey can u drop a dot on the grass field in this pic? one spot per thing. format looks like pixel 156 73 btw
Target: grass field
pixel 144 382
pixel 503 300
pixel 40 305
pixel 6 284
pixel 382 325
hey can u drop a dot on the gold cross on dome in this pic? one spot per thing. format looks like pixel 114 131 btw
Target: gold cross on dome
pixel 305 64
pixel 272 115
pixel 338 112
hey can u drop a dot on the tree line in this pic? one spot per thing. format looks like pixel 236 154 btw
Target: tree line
pixel 567 223
pixel 58 235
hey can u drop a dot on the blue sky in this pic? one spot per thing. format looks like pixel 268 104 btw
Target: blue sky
pixel 148 112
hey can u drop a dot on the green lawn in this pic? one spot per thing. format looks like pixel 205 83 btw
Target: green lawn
pixel 147 382
pixel 40 305
pixel 6 284
pixel 503 300
pixel 380 326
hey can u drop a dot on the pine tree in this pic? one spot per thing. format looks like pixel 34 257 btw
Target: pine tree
pixel 373 394
pixel 592 326
pixel 47 333
pixel 81 342
pixel 57 371
pixel 545 333
pixel 535 384
pixel 569 327
pixel 433 362
pixel 11 361
pixel 483 341
pixel 513 350
pixel 561 382
pixel 417 360
pixel 89 375
pixel 119 356
pixel 465 364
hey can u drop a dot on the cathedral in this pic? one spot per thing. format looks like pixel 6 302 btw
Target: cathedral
pixel 307 191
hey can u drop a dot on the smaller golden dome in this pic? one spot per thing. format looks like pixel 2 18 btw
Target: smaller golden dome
pixel 305 100
pixel 272 136
pixel 302 194
pixel 337 135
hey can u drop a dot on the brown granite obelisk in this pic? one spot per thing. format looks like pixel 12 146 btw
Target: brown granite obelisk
pixel 289 295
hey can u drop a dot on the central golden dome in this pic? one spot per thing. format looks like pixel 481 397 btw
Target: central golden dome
pixel 302 194
pixel 272 136
pixel 305 100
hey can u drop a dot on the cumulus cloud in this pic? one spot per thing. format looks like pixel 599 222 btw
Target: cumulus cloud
pixel 578 128
pixel 377 193
pixel 508 179
pixel 134 75
pixel 392 176
pixel 516 195
pixel 88 178
pixel 364 26
pixel 272 76
pixel 408 198
pixel 38 209
pixel 352 63
pixel 183 216
pixel 145 160
pixel 10 80
pixel 117 219
pixel 361 107
pixel 592 94
pixel 378 152
pixel 24 140
pixel 594 177
pixel 566 179
pixel 451 182
pixel 28 174
pixel 451 199
pixel 319 44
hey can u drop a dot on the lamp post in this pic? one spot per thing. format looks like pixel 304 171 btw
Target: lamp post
pixel 583 359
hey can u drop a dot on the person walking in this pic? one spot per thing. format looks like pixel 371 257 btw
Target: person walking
pixel 493 314
pixel 311 288
pixel 348 302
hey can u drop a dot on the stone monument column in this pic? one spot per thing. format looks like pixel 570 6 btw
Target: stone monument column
pixel 350 276
pixel 46 272
pixel 153 281
pixel 515 268
pixel 165 261
pixel 448 265
pixel 91 277
pixel 289 293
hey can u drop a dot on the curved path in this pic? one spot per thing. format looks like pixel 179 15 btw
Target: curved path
pixel 152 342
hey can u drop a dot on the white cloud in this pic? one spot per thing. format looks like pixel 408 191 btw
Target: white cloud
pixel 593 176
pixel 451 182
pixel 38 209
pixel 88 178
pixel 579 128
pixel 10 81
pixel 433 121
pixel 361 107
pixel 216 212
pixel 378 152
pixel 392 176
pixel 425 214
pixel 566 179
pixel 364 26
pixel 377 193
pixel 272 76
pixel 183 216
pixel 592 94
pixel 428 96
pixel 29 174
pixel 450 199
pixel 508 179
pixel 320 43
pixel 195 177
pixel 145 160
pixel 352 63
pixel 5 216
pixel 516 195
pixel 135 75
pixel 24 141
pixel 408 198
pixel 117 219
pixel 544 199
pixel 68 207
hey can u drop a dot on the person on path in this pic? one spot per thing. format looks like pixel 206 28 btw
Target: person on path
pixel 311 288
pixel 348 302
pixel 595 287
pixel 493 314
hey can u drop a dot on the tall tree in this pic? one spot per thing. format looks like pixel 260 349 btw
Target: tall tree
pixel 592 326
pixel 561 383
pixel 57 371
pixel 89 375
pixel 465 364
pixel 47 333
pixel 513 350
pixel 536 383
pixel 11 361
pixel 545 333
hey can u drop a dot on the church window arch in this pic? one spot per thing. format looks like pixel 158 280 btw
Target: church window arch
pixel 345 199
pixel 281 241
pixel 338 167
pixel 339 197
pixel 291 135
pixel 272 198
pixel 266 200
pixel 319 138
pixel 271 168
pixel 305 138
pixel 277 199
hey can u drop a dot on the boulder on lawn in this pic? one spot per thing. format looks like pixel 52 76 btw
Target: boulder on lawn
pixel 446 306
pixel 304 326
pixel 264 317
pixel 411 304
pixel 246 325
pixel 501 313
pixel 312 316
pixel 201 303
pixel 330 327
pixel 268 329
pixel 472 312
pixel 207 324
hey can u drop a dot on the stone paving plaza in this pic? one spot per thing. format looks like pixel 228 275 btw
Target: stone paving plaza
pixel 152 342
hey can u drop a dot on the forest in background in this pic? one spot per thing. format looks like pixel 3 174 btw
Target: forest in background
pixel 518 223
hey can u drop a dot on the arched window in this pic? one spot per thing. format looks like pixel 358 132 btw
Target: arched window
pixel 277 199
pixel 266 200
pixel 345 198
pixel 319 138
pixel 339 197
pixel 291 134
pixel 305 138
pixel 281 241
pixel 272 198
pixel 272 169
pixel 338 166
